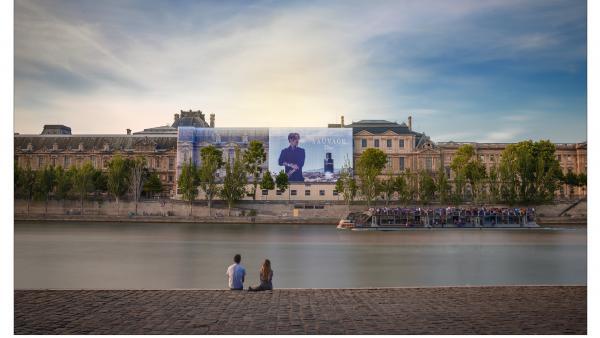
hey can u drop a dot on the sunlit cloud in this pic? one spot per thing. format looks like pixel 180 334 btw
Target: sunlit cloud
pixel 451 65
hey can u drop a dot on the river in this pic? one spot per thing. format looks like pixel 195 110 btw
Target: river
pixel 164 256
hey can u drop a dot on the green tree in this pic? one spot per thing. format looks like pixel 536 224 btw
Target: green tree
pixel 27 184
pixel 494 184
pixel 211 162
pixel 282 182
pixel 188 183
pixel 404 191
pixel 153 184
pixel 427 187
pixel 388 187
pixel 346 184
pixel 17 172
pixel 254 156
pixel 45 182
pixel 83 180
pixel 582 180
pixel 530 171
pixel 267 182
pixel 64 184
pixel 137 176
pixel 118 178
pixel 443 186
pixel 368 167
pixel 460 166
pixel 234 182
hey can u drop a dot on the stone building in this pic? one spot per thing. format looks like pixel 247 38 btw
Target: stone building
pixel 57 146
pixel 406 150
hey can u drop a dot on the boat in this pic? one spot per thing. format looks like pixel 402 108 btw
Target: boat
pixel 387 219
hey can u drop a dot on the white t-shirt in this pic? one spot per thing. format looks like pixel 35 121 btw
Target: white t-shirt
pixel 236 274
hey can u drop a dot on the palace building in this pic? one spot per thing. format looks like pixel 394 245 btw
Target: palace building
pixel 406 150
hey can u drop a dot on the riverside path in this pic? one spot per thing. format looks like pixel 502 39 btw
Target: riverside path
pixel 451 310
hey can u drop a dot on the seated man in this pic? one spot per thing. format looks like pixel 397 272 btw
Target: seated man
pixel 236 274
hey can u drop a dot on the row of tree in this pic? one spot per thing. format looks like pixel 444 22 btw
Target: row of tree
pixel 123 176
pixel 527 173
pixel 232 187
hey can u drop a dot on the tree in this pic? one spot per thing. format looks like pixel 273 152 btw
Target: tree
pixel 404 191
pixel 282 182
pixel 267 182
pixel 153 184
pixel 529 172
pixel 254 156
pixel 443 186
pixel 234 183
pixel 83 180
pixel 118 178
pixel 64 184
pixel 459 165
pixel 369 166
pixel 17 172
pixel 494 184
pixel 27 184
pixel 45 182
pixel 388 187
pixel 211 162
pixel 137 177
pixel 100 182
pixel 582 180
pixel 426 187
pixel 346 184
pixel 188 182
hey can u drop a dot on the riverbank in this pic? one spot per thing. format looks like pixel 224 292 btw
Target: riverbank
pixel 542 221
pixel 450 310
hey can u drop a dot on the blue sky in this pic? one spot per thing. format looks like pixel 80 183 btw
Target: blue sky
pixel 495 71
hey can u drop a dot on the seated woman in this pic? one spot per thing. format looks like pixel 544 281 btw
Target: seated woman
pixel 266 277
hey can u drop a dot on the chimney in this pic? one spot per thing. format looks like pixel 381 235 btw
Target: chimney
pixel 342 121
pixel 410 123
pixel 212 120
pixel 176 118
pixel 128 131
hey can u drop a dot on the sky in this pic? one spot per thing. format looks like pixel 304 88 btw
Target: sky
pixel 479 71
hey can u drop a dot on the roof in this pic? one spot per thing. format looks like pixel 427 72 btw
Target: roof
pixel 95 142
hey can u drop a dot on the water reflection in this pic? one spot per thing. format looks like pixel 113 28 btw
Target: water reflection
pixel 142 256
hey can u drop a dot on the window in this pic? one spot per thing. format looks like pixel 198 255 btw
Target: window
pixel 294 192
pixel 428 163
pixel 54 161
pixel 265 192
pixel 559 158
pixel 447 171
pixel 491 158
pixel 401 163
pixel 40 162
pixel 401 143
pixel 335 193
pixel 321 192
pixel 363 143
pixel 93 160
pixel 278 192
pixel 67 162
pixel 568 158
pixel 306 192
pixel 388 143
pixel 388 163
pixel 170 178
pixel 105 163
pixel 482 158
pixel 171 163
pixel 376 143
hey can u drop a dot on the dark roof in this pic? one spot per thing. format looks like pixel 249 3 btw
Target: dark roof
pixel 97 142
pixel 56 129
pixel 158 130
pixel 381 126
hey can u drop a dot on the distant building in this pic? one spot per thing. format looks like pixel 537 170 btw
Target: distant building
pixel 406 150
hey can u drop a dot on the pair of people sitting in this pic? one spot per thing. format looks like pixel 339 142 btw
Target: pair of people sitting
pixel 237 273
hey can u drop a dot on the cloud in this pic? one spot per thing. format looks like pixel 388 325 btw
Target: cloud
pixel 300 64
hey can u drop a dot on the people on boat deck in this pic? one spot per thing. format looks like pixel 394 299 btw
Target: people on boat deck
pixel 236 274
pixel 266 278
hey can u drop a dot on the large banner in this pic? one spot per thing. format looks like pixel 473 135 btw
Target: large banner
pixel 309 154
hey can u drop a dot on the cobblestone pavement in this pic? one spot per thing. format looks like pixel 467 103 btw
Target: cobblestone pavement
pixel 455 310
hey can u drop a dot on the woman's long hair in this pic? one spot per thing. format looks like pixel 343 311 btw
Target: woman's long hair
pixel 265 271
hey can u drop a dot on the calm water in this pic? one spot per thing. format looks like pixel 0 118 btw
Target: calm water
pixel 143 256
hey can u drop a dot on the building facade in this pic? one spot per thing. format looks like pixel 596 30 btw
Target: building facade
pixel 406 150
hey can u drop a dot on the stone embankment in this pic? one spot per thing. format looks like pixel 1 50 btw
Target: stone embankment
pixel 265 212
pixel 453 310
